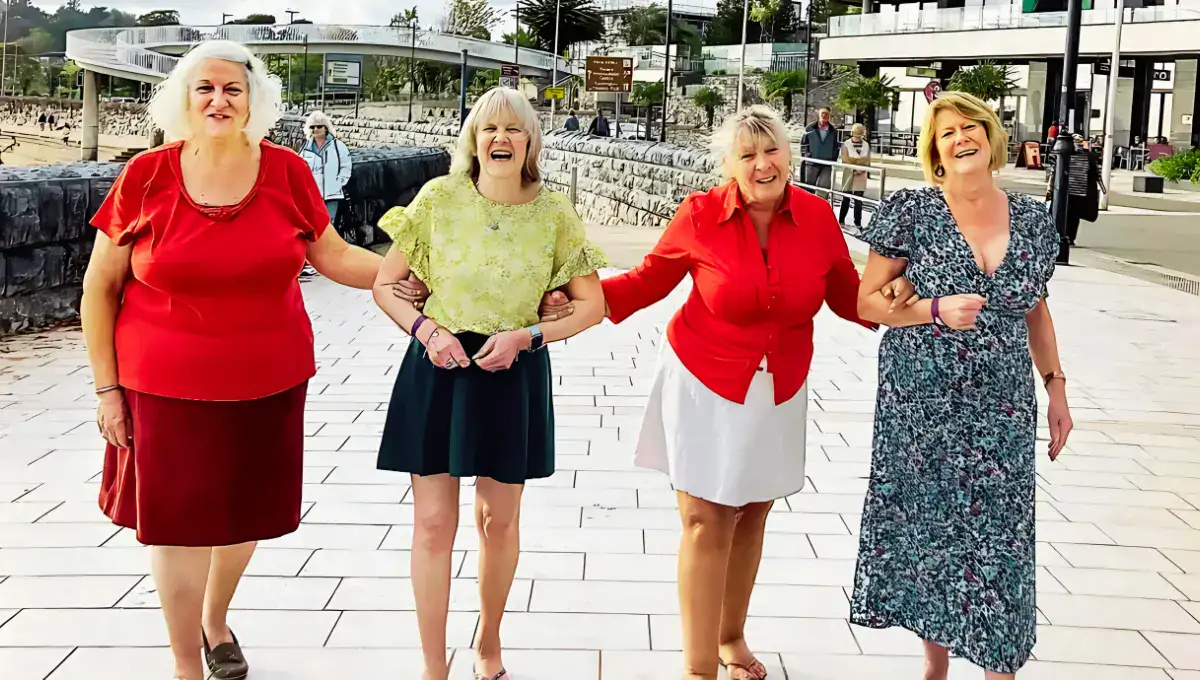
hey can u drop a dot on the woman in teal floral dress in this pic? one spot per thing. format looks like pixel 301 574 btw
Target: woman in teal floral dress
pixel 947 540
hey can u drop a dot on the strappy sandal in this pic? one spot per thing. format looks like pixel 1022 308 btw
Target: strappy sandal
pixel 225 661
pixel 755 670
pixel 502 675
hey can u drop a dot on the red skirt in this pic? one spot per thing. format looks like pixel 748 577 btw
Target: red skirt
pixel 208 473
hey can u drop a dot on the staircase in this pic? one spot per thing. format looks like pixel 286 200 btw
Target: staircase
pixel 124 156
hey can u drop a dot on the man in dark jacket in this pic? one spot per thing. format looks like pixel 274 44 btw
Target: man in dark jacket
pixel 820 142
pixel 599 126
pixel 572 124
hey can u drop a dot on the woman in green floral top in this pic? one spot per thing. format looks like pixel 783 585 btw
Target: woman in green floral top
pixel 473 395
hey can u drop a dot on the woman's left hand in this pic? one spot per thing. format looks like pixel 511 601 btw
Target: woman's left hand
pixel 1059 415
pixel 900 291
pixel 412 289
pixel 499 351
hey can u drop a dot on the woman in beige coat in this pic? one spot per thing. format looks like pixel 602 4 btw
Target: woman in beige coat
pixel 855 151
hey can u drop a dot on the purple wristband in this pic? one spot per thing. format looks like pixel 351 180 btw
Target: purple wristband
pixel 937 317
pixel 417 324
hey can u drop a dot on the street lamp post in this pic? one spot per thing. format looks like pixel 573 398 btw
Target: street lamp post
pixel 807 60
pixel 554 64
pixel 1064 147
pixel 224 17
pixel 662 133
pixel 291 15
pixel 742 63
pixel 1110 106
pixel 412 57
pixel 517 41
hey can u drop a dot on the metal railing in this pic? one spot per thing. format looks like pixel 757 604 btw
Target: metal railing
pixel 997 17
pixel 689 8
pixel 133 49
pixel 871 198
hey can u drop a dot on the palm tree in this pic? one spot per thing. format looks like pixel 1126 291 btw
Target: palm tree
pixel 866 95
pixel 644 25
pixel 579 21
pixel 784 85
pixel 709 98
pixel 989 81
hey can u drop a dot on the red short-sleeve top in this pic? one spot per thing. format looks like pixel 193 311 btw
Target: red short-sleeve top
pixel 212 310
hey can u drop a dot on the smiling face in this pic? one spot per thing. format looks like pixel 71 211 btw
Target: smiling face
pixel 759 164
pixel 218 99
pixel 501 145
pixel 962 144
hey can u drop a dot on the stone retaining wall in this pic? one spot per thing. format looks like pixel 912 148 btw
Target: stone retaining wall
pixel 115 119
pixel 626 182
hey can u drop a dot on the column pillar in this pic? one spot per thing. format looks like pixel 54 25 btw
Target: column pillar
pixel 1143 82
pixel 868 6
pixel 1031 120
pixel 1185 101
pixel 90 143
pixel 1054 84
pixel 1195 107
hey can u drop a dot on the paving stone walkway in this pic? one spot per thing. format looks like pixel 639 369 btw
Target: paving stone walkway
pixel 1118 518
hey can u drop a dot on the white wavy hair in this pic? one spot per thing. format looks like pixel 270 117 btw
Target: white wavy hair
pixel 169 106
pixel 318 118
pixel 489 107
pixel 754 124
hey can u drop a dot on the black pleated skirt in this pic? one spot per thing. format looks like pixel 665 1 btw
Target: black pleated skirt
pixel 467 422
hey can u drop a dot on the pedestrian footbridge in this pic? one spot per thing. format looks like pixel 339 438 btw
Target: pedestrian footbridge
pixel 150 53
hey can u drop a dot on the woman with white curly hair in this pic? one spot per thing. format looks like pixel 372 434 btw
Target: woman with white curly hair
pixel 200 344
pixel 328 158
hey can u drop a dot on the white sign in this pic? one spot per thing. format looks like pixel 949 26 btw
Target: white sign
pixel 343 73
pixel 1187 119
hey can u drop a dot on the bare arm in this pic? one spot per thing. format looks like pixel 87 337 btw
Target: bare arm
pixel 1043 343
pixel 393 270
pixel 103 285
pixel 346 264
pixel 587 298
pixel 874 307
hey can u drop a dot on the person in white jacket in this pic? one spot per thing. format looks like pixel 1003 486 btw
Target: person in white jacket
pixel 328 158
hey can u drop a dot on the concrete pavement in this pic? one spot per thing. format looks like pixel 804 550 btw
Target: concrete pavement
pixel 1118 517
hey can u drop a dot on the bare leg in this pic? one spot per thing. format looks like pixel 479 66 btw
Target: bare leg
pixel 435 507
pixel 497 518
pixel 179 576
pixel 224 573
pixel 989 675
pixel 739 584
pixel 703 563
pixel 937 661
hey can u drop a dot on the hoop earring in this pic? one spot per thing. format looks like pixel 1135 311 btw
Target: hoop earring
pixel 939 171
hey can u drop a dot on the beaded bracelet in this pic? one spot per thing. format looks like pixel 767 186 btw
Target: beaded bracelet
pixel 110 388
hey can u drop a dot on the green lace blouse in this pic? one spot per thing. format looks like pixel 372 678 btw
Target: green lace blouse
pixel 487 264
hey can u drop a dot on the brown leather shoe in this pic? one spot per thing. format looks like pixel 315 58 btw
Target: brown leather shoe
pixel 226 661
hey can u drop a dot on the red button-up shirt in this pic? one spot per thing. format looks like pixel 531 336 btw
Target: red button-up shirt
pixel 743 306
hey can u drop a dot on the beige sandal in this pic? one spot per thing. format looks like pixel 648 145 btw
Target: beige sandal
pixel 755 670
pixel 502 675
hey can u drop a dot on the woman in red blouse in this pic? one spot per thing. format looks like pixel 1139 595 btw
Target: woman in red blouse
pixel 200 343
pixel 726 415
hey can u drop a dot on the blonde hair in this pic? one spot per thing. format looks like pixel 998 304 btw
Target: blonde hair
pixel 971 108
pixel 318 118
pixel 858 130
pixel 753 124
pixel 169 106
pixel 489 107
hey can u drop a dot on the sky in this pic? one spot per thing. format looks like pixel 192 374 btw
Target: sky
pixel 208 12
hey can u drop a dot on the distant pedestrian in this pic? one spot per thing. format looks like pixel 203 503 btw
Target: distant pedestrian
pixel 855 151
pixel 42 121
pixel 329 160
pixel 821 144
pixel 599 126
pixel 572 124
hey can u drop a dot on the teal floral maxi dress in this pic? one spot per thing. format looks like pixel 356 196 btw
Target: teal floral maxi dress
pixel 947 541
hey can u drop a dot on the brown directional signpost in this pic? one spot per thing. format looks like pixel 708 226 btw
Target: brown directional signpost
pixel 610 74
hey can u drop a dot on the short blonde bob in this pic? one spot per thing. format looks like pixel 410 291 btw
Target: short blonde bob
pixel 319 118
pixel 169 106
pixel 487 109
pixel 754 125
pixel 971 108
pixel 858 130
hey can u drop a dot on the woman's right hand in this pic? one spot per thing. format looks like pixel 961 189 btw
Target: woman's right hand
pixel 444 350
pixel 960 311
pixel 113 418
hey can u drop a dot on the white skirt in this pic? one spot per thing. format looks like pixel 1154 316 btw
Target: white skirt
pixel 718 450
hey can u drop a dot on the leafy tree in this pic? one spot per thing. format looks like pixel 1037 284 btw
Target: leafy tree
pixel 404 19
pixel 709 98
pixel 865 95
pixel 763 13
pixel 39 41
pixel 645 26
pixel 726 27
pixel 159 17
pixel 524 39
pixel 579 21
pixel 989 81
pixel 470 18
pixel 785 85
pixel 256 20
